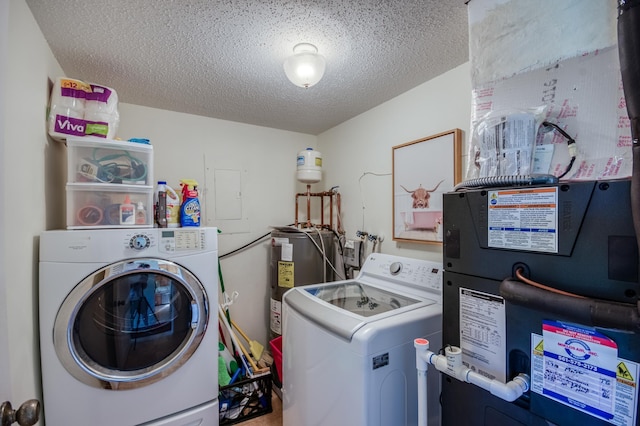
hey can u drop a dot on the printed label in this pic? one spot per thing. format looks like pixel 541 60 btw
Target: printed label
pixel 70 125
pixel 524 219
pixel 624 397
pixel 94 128
pixel 285 274
pixel 74 89
pixel 579 368
pixel 275 322
pixel 74 84
pixel 79 127
pixel 483 333
pixel 98 93
pixel 191 211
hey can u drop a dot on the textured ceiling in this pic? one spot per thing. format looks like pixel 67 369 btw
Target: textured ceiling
pixel 223 58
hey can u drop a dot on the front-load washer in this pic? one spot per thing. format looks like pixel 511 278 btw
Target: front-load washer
pixel 348 354
pixel 128 327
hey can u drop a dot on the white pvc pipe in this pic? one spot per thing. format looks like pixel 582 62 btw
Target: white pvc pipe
pixel 422 345
pixel 451 364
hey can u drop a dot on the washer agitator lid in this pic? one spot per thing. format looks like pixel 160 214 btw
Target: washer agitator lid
pixel 131 323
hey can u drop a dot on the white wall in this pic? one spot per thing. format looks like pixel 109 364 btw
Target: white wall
pixel 364 144
pixel 29 180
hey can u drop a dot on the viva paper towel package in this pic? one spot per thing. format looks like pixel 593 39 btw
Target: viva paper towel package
pixel 190 208
pixel 82 109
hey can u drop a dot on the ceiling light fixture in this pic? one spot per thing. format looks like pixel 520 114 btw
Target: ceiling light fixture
pixel 305 67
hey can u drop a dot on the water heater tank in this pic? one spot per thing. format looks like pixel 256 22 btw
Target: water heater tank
pixel 303 265
pixel 309 166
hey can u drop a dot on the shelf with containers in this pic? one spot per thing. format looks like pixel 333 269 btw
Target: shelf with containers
pixel 109 184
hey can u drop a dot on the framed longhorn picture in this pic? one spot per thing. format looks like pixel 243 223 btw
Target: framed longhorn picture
pixel 423 170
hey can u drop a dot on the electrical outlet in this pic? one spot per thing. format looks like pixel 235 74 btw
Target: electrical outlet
pixel 352 253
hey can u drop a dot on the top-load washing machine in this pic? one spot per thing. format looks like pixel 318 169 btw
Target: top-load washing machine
pixel 128 327
pixel 348 354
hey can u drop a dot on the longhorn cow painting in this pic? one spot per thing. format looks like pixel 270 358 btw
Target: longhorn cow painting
pixel 423 170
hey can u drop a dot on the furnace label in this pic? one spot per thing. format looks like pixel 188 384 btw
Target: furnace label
pixel 483 333
pixel 623 388
pixel 524 219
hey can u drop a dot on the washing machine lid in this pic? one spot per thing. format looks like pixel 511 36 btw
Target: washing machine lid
pixel 346 306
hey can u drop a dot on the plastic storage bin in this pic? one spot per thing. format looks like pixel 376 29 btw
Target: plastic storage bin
pixel 276 352
pixel 245 400
pixel 99 206
pixel 95 160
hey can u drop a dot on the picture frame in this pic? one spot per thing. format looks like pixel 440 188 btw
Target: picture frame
pixel 423 170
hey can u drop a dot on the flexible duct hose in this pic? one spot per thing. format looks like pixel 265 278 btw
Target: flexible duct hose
pixel 629 52
pixel 587 311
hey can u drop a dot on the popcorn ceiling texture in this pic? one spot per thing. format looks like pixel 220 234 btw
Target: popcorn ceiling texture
pixel 224 58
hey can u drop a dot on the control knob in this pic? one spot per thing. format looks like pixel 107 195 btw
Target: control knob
pixel 139 242
pixel 395 268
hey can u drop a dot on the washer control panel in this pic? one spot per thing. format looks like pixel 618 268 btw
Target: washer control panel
pixel 172 240
pixel 166 240
pixel 418 273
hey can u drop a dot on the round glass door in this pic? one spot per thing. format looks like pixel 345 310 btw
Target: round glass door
pixel 131 323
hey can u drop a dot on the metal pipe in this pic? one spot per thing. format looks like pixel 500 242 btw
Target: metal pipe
pixel 331 210
pixel 308 206
pixel 340 230
pixel 323 225
pixel 322 212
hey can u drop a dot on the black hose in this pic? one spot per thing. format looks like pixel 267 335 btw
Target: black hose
pixel 586 311
pixel 629 52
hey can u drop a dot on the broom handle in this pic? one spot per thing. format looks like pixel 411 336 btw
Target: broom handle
pixel 232 335
pixel 240 331
pixel 256 370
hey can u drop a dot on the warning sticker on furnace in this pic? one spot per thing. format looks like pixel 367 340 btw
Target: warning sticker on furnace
pixel 623 396
pixel 524 219
pixel 624 373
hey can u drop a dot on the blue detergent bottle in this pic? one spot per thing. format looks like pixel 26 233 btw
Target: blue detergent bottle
pixel 190 207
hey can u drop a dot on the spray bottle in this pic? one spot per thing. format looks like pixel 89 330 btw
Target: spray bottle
pixel 190 208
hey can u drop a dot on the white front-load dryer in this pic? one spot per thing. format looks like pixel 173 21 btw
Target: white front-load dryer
pixel 128 327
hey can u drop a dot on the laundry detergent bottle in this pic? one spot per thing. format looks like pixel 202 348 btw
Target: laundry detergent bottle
pixel 190 207
pixel 171 206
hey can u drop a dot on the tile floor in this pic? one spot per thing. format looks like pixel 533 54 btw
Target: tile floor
pixel 272 419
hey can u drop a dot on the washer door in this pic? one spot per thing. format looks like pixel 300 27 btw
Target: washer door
pixel 131 323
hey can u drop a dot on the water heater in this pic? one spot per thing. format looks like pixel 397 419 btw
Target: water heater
pixel 297 260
